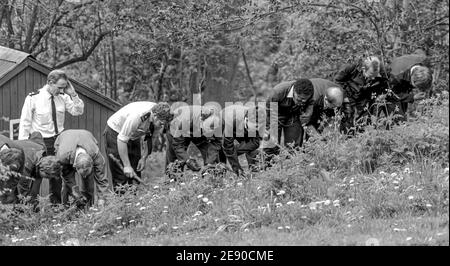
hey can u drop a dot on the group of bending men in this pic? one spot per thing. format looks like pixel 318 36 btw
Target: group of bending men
pixel 297 108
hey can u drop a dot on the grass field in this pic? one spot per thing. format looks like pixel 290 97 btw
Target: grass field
pixel 378 188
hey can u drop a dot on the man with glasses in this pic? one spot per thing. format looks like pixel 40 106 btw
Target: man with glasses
pixel 123 134
pixel 44 112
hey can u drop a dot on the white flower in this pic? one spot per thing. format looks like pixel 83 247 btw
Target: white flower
pixel 408 238
pixel 336 202
pixel 393 175
pixel 351 199
pixel 156 187
pixel 287 227
pixel 327 202
pixel 200 196
pixel 395 182
pixel 172 189
pixel 16 228
pixel 154 228
pixel 313 206
pixel 429 205
pixel 92 231
pixel 399 230
pixel 119 218
pixel 209 203
pixel 60 232
pixel 172 180
pixel 142 208
pixel 132 221
pixel 281 192
pixel 407 171
pixel 166 207
pixel 419 189
pixel 205 199
pixel 182 184
pixel 194 177
pixel 278 205
pixel 137 204
pixel 174 227
pixel 396 187
pixel 411 197
pixel 312 164
pixel 290 202
pixel 382 173
pixel 119 227
pixel 239 184
pixel 280 227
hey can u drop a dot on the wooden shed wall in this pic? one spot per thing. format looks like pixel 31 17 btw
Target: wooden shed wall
pixel 13 94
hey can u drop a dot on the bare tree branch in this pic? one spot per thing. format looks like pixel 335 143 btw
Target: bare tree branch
pixel 86 54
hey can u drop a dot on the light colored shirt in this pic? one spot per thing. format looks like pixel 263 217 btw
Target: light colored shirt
pixel 132 121
pixel 37 113
pixel 291 92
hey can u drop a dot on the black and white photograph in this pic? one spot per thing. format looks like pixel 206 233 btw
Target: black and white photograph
pixel 244 124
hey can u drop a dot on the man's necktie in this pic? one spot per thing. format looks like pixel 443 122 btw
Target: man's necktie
pixel 54 115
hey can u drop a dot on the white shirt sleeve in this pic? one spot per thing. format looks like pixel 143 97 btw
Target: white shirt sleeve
pixel 75 106
pixel 26 118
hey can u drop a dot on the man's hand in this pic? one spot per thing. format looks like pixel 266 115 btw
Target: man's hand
pixel 141 164
pixel 128 171
pixel 70 90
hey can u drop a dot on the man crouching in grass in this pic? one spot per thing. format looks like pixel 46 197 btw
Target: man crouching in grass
pixel 77 151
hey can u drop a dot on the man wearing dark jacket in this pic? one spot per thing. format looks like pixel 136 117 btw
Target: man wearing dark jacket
pixel 77 151
pixel 362 83
pixel 295 103
pixel 187 127
pixel 36 165
pixel 240 124
pixel 408 73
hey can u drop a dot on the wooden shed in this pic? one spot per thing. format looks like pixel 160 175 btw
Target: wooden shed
pixel 21 74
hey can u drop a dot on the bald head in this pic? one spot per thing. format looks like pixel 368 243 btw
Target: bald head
pixel 334 96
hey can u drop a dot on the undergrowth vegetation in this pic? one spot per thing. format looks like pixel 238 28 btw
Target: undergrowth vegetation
pixel 334 182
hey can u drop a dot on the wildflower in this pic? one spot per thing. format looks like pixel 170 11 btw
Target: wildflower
pixel 142 208
pixel 119 218
pixel 166 207
pixel 351 199
pixel 172 180
pixel 382 173
pixel 14 240
pixel 198 213
pixel 407 171
pixel 194 177
pixel 137 204
pixel 349 225
pixel 395 182
pixel 280 227
pixel 209 203
pixel 92 231
pixel 411 197
pixel 156 187
pixel 132 221
pixel 393 175
pixel 119 227
pixel 287 227
pixel 397 187
pixel 246 230
pixel 419 189
pixel 408 238
pixel 154 228
pixel 327 202
pixel 172 189
pixel 200 196
pixel 278 205
pixel 399 230
pixel 290 202
pixel 281 192
pixel 313 206
pixel 165 211
pixel 182 184
pixel 34 236
pixel 205 200
pixel 312 164
pixel 429 205
pixel 239 184
pixel 336 202
pixel 60 232
pixel 175 227
pixel 118 232
pixel 16 228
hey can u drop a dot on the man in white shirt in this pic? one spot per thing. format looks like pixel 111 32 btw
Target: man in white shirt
pixel 123 134
pixel 44 111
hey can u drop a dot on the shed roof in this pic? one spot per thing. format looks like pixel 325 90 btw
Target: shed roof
pixel 9 59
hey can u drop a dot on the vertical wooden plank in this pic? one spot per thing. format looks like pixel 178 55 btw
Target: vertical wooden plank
pixel 89 115
pixel 14 98
pixel 6 106
pixel 97 121
pixel 22 90
pixel 2 107
pixel 30 86
pixel 44 190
